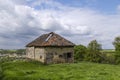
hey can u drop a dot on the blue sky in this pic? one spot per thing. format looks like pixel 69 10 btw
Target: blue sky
pixel 103 6
pixel 80 21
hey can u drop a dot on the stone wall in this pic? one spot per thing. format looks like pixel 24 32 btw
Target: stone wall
pixel 30 52
pixel 58 54
pixel 50 54
pixel 40 54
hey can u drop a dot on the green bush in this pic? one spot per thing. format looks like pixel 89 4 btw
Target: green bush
pixel 116 44
pixel 80 52
pixel 108 58
pixel 1 72
pixel 93 52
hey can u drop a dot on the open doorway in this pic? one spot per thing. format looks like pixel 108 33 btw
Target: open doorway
pixel 49 57
pixel 68 56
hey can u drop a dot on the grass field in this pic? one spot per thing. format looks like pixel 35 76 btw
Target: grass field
pixel 108 51
pixel 76 71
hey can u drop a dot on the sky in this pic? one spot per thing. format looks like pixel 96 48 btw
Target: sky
pixel 79 21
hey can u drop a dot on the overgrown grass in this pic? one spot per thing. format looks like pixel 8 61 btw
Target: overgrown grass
pixel 21 70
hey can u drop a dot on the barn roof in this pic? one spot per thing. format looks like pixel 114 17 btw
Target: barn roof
pixel 50 39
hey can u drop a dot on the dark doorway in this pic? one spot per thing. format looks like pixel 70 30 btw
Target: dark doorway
pixel 49 57
pixel 68 56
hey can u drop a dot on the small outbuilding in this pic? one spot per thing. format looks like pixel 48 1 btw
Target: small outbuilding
pixel 51 48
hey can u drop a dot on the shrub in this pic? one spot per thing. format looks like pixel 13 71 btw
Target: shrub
pixel 93 52
pixel 80 52
pixel 116 44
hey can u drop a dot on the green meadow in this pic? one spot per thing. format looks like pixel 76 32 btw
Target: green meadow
pixel 22 70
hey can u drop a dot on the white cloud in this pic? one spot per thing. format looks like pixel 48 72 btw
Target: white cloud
pixel 118 7
pixel 21 22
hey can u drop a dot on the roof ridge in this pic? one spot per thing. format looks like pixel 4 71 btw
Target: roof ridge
pixel 50 39
pixel 51 33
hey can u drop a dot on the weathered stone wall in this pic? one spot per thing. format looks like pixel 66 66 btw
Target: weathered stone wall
pixel 50 54
pixel 30 52
pixel 57 54
pixel 40 54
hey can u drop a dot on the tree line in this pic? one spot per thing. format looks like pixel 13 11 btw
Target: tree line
pixel 6 51
pixel 93 52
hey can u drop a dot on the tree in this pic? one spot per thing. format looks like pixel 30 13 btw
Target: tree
pixel 80 52
pixel 116 44
pixel 93 52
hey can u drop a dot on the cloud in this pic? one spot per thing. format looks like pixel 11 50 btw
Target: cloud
pixel 21 21
pixel 118 8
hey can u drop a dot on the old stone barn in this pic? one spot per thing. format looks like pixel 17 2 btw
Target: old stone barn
pixel 51 48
